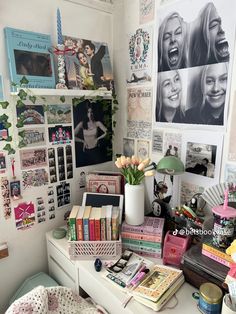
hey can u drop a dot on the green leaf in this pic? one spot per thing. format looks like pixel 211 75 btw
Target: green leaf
pixel 4 104
pixel 7 124
pixel 115 102
pixel 4 118
pixel 13 84
pixel 20 103
pixel 9 139
pixel 21 133
pixel 45 107
pixel 62 99
pixel 9 149
pixel 32 99
pixel 24 80
pixel 22 94
pixel 21 144
pixel 20 124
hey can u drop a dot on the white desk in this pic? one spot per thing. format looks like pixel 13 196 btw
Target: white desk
pixel 75 274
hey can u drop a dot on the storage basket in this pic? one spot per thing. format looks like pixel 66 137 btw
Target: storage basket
pixel 79 250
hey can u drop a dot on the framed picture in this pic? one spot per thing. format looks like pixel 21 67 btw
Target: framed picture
pixel 100 199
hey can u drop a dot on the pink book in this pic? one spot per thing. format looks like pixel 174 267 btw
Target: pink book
pixel 151 225
pixel 216 258
pixel 92 224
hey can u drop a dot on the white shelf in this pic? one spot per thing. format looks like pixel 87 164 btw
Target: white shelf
pixel 68 92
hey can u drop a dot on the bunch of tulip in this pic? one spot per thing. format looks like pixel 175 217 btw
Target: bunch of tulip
pixel 135 169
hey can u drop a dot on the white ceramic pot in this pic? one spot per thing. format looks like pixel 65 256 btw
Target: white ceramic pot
pixel 134 204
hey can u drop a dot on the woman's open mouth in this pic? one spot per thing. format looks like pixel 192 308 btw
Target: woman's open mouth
pixel 222 48
pixel 174 97
pixel 173 55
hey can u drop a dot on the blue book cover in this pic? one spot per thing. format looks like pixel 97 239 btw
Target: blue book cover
pixel 29 55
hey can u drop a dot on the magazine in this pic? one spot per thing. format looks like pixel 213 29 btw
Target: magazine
pixel 29 56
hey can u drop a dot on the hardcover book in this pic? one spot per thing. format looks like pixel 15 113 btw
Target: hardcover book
pixel 103 184
pixel 208 246
pixel 145 244
pixel 103 223
pixel 92 224
pixel 29 56
pixel 141 237
pixel 97 223
pixel 115 221
pixel 151 225
pixel 141 248
pixel 72 223
pixel 86 222
pixel 79 223
pixel 216 258
pixel 108 221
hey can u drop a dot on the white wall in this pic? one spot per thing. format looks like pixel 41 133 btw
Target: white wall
pixel 27 249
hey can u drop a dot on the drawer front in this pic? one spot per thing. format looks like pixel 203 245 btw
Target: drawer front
pixel 61 260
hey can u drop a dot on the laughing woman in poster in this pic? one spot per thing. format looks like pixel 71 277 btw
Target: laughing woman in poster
pixel 172 43
pixel 208 43
pixel 169 97
pixel 89 137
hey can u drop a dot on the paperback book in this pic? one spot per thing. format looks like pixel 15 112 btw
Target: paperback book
pixel 29 55
pixel 151 225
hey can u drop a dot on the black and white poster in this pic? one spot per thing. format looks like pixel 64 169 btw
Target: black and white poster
pixel 195 54
pixel 92 133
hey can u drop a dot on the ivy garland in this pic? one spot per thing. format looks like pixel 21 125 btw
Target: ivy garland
pixel 24 94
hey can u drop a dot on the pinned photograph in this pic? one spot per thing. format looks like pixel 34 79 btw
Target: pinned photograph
pixel 15 190
pixel 59 114
pixel 30 114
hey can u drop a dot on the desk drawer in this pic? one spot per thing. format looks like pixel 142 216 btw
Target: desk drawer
pixel 61 260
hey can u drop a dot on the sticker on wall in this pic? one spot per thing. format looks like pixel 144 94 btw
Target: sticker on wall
pixel 59 114
pixel 41 210
pixel 146 11
pixel 15 190
pixel 5 191
pixel 60 134
pixel 34 178
pixel 69 163
pixel 52 165
pixel 32 137
pixel 24 216
pixel 82 180
pixel 51 202
pixel 2 163
pixel 63 194
pixel 157 141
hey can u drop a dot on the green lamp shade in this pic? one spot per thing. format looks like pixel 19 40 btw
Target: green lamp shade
pixel 170 165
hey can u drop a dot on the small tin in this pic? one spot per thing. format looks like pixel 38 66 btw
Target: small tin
pixel 210 298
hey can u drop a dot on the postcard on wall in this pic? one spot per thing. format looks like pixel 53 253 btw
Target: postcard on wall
pixel 33 158
pixel 139 68
pixel 1 89
pixel 60 134
pixel 172 144
pixel 232 134
pixel 32 137
pixel 202 153
pixel 230 173
pixel 30 114
pixel 34 178
pixel 15 190
pixel 88 64
pixel 59 114
pixel 146 11
pixel 3 132
pixel 93 145
pixel 139 106
pixel 157 141
pixel 143 149
pixel 2 163
pixel 188 190
pixel 29 56
pixel 128 147
pixel 24 216
pixel 200 55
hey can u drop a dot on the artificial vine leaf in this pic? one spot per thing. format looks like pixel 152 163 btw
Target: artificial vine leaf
pixel 3 118
pixel 7 124
pixel 77 100
pixel 4 104
pixel 32 99
pixel 62 99
pixel 13 84
pixel 9 149
pixel 21 133
pixel 21 144
pixel 8 139
pixel 24 80
pixel 115 101
pixel 22 94
pixel 20 124
pixel 45 107
pixel 20 103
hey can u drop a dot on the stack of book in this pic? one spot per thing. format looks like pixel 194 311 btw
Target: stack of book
pixel 215 253
pixel 145 239
pixel 89 223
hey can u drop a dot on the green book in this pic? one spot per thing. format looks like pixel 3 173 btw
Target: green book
pixel 72 223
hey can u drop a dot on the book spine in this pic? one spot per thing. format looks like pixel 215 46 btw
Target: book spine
pixel 141 230
pixel 86 229
pixel 216 258
pixel 72 224
pixel 142 243
pixel 149 254
pixel 108 228
pixel 144 237
pixel 115 229
pixel 91 230
pixel 141 248
pixel 97 230
pixel 216 252
pixel 79 228
pixel 103 229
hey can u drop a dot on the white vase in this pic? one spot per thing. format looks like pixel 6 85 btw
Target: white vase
pixel 134 204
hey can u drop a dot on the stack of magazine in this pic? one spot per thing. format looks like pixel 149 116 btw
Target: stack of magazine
pixel 155 289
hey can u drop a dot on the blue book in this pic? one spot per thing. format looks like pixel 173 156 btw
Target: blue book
pixel 86 222
pixel 29 55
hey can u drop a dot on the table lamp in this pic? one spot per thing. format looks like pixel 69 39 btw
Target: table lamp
pixel 170 165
